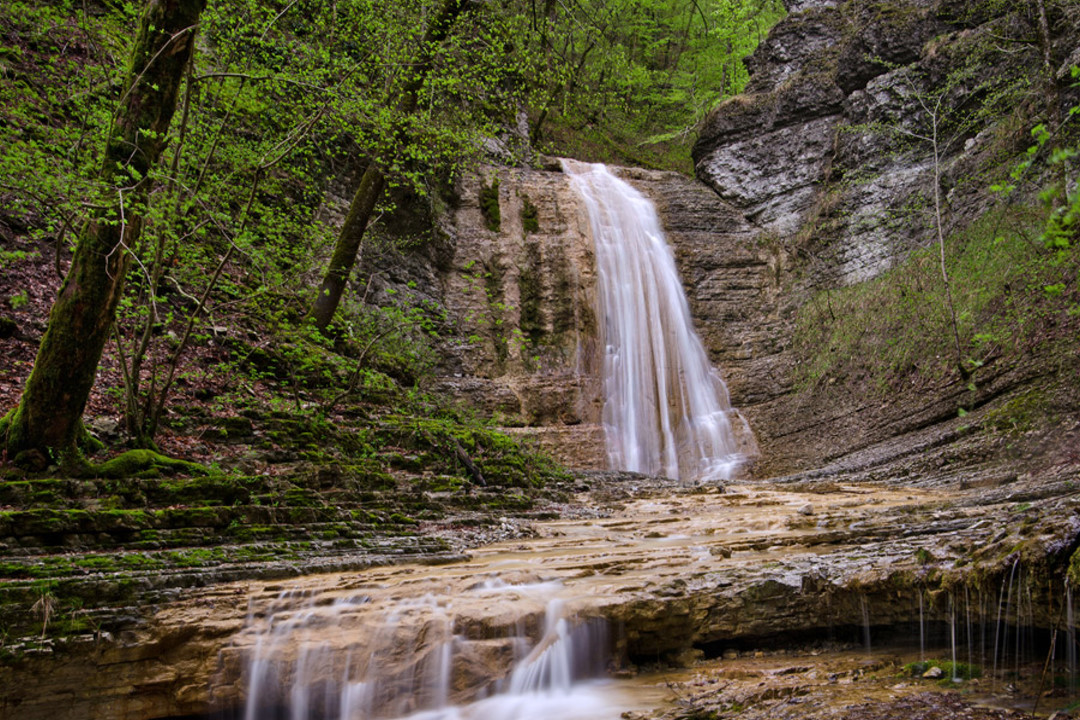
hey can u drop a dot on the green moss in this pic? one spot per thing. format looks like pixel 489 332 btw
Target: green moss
pixel 511 501
pixel 301 497
pixel 489 205
pixel 530 216
pixel 1018 414
pixel 134 463
pixel 367 516
pixel 530 290
pixel 193 517
pixel 1074 569
pixel 950 670
pixel 248 533
pixel 35 492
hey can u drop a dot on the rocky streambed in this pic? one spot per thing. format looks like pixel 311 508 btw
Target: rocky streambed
pixel 783 575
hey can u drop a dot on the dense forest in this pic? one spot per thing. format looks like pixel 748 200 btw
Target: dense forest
pixel 195 148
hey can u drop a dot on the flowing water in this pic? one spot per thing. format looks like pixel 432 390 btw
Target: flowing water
pixel 666 411
pixel 368 654
pixel 359 656
pixel 517 631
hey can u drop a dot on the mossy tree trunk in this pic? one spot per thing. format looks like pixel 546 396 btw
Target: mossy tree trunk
pixel 48 418
pixel 373 182
pixel 347 247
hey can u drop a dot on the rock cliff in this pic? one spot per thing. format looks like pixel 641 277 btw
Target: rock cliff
pixel 830 155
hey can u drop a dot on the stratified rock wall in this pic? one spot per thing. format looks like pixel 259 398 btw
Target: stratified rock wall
pixel 829 154
pixel 826 139
pixel 521 299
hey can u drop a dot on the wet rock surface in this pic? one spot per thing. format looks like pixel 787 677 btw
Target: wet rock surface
pixel 826 683
pixel 680 572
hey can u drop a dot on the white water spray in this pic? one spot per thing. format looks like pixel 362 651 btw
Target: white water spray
pixel 666 411
pixel 349 660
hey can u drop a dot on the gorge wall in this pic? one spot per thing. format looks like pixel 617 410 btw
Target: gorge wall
pixel 819 177
pixel 830 154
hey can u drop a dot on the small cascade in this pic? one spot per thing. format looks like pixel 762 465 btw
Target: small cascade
pixel 922 628
pixel 865 607
pixel 666 411
pixel 952 636
pixel 347 659
pixel 1000 626
pixel 1070 629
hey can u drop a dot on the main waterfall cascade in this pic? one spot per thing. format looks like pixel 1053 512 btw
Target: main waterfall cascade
pixel 361 658
pixel 666 410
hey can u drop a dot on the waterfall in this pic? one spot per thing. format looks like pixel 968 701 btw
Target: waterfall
pixel 665 408
pixel 358 659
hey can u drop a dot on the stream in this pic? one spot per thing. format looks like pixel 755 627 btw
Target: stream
pixel 678 600
pixel 539 628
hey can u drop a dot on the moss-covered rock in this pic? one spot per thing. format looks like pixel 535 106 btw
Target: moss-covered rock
pixel 489 205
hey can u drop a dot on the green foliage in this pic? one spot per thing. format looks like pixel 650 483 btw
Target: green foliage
pixel 18 300
pixel 999 275
pixel 56 102
pixel 10 257
pixel 951 670
pixel 630 80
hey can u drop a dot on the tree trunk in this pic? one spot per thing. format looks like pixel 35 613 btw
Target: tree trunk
pixel 49 414
pixel 373 181
pixel 348 246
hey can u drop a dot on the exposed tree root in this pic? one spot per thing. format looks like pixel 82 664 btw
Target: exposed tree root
pixel 73 462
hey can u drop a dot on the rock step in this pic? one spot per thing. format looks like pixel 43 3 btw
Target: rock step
pixel 109 582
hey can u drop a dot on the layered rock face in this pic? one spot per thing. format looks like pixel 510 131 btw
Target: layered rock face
pixel 830 155
pixel 835 134
pixel 521 294
pixel 521 340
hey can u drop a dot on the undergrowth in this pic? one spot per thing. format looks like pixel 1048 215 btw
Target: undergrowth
pixel 1014 296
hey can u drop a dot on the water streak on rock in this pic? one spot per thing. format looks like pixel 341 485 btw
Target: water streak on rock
pixel 665 408
pixel 352 659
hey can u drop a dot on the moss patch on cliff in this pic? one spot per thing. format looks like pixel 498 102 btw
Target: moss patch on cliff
pixel 530 216
pixel 489 205
pixel 531 320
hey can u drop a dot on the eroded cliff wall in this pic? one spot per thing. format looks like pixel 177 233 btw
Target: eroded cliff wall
pixel 854 112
